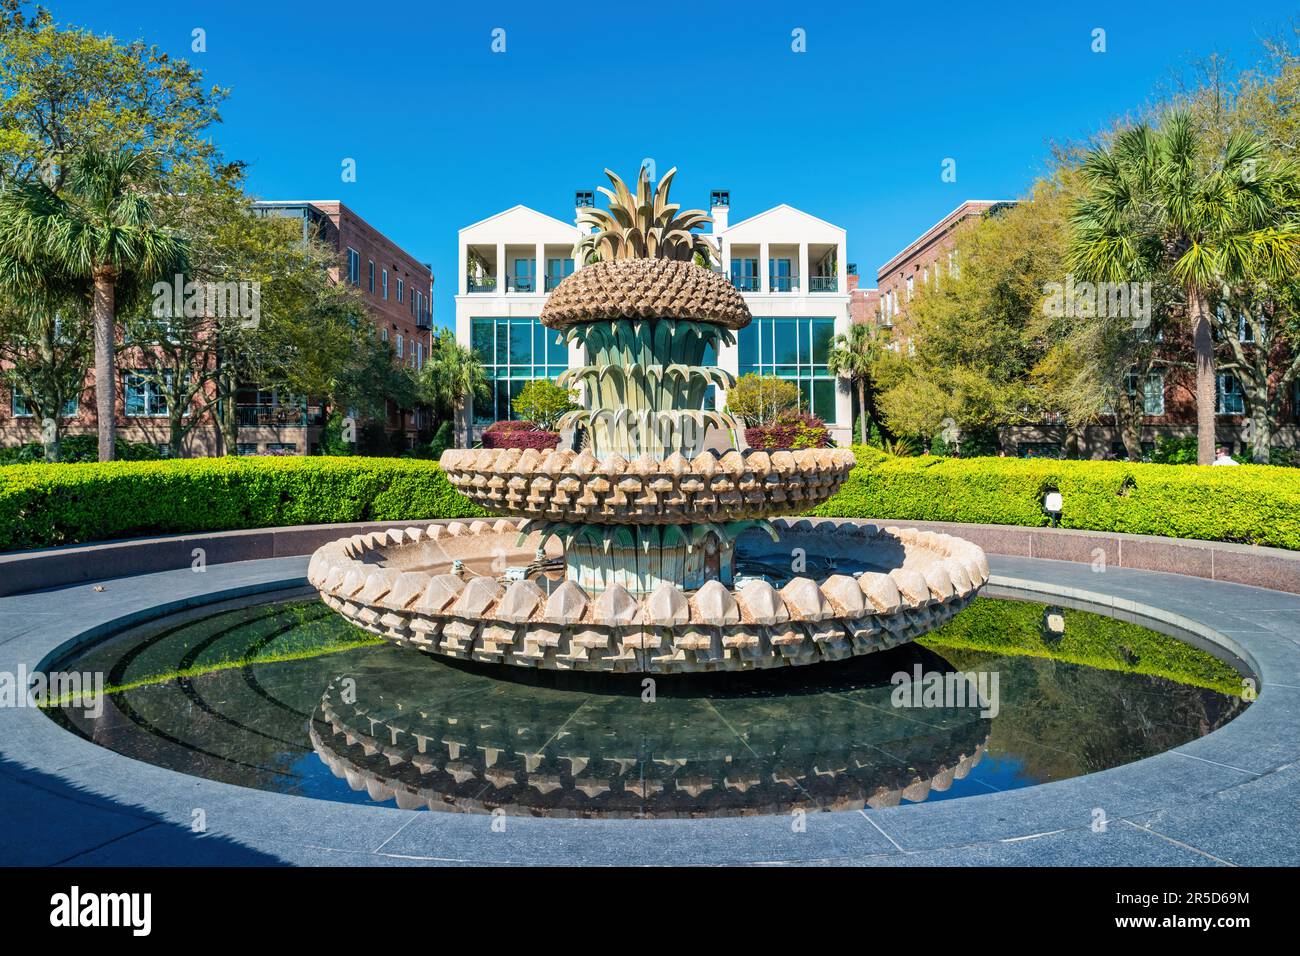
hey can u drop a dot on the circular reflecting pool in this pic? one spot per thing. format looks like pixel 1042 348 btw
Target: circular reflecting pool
pixel 289 697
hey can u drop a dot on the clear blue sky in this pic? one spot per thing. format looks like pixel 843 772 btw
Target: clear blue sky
pixel 445 132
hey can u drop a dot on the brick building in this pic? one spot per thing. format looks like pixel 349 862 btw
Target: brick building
pixel 397 289
pixel 926 259
pixel 1168 393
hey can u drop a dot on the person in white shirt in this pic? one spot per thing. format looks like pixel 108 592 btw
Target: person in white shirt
pixel 1221 457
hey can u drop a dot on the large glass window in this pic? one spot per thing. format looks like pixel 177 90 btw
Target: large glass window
pixel 556 272
pixel 354 267
pixel 778 275
pixel 514 351
pixel 795 349
pixel 744 274
pixel 144 399
pixel 1153 391
pixel 23 410
pixel 1229 398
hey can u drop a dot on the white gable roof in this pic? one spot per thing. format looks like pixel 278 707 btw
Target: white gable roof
pixel 784 223
pixel 520 224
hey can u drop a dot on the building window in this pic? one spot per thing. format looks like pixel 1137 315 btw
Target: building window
pixel 514 352
pixel 1153 391
pixel 909 288
pixel 385 278
pixel 778 276
pixel 401 289
pixel 399 344
pixel 383 335
pixel 557 270
pixel 744 274
pixel 21 409
pixel 370 276
pixel 795 349
pixel 144 399
pixel 354 267
pixel 1229 398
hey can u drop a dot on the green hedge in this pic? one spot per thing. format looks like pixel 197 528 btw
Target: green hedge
pixel 1251 504
pixel 43 505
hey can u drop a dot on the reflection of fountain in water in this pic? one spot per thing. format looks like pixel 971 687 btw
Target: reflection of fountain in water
pixel 550 752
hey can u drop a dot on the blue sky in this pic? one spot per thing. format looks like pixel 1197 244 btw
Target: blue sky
pixel 445 132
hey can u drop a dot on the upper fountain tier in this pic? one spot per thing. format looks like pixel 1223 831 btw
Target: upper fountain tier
pixel 645 289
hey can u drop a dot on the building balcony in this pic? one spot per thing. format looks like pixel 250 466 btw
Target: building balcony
pixel 482 284
pixel 823 283
pixel 270 416
pixel 553 282
pixel 745 283
pixel 524 284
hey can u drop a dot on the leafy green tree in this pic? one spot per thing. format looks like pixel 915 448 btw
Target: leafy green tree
pixel 100 230
pixel 1162 202
pixel 542 402
pixel 971 342
pixel 45 355
pixel 63 89
pixel 853 356
pixel 759 399
pixel 453 376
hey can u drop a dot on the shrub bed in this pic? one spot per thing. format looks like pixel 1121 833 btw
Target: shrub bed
pixel 1249 504
pixel 514 434
pixel 789 430
pixel 44 505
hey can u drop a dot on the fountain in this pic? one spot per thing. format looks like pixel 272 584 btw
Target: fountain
pixel 669 560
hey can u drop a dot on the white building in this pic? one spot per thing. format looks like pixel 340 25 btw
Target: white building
pixel 509 263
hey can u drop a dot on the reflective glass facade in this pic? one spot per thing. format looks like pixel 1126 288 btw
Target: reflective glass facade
pixel 794 349
pixel 514 351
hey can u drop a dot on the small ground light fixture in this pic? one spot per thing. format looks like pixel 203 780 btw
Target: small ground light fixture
pixel 1052 504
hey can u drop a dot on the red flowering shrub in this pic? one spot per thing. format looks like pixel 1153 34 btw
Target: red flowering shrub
pixel 790 430
pixel 518 435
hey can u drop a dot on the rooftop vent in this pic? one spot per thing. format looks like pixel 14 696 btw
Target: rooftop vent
pixel 584 199
pixel 720 197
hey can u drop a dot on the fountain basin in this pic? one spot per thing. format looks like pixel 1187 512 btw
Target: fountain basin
pixel 400 585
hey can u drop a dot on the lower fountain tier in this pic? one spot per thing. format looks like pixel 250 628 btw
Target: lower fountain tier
pixel 642 557
pixel 435 589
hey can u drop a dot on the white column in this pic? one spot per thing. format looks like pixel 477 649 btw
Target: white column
pixel 843 386
pixel 724 256
pixel 763 281
pixel 501 268
pixel 462 285
pixel 841 270
pixel 805 284
pixel 539 267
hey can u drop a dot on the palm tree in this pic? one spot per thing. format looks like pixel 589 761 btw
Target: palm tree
pixel 1158 202
pixel 98 232
pixel 853 356
pixel 453 374
pixel 644 225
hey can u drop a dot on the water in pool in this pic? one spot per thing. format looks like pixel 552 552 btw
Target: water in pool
pixel 289 697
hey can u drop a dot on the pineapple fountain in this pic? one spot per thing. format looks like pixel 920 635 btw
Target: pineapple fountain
pixel 645 520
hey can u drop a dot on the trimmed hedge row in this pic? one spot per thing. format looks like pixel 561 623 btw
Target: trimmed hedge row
pixel 44 505
pixel 1249 504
